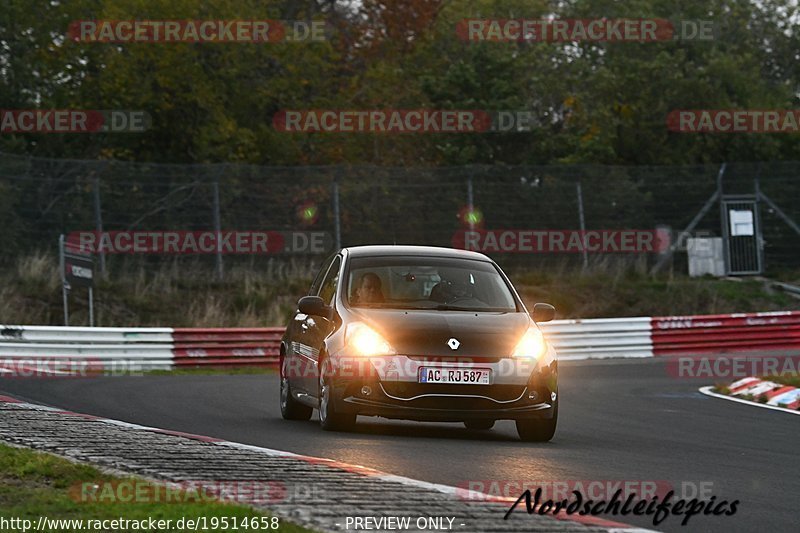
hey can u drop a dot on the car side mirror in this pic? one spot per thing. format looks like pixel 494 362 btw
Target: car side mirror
pixel 543 312
pixel 314 306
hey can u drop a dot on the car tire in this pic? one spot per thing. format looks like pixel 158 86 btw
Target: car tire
pixel 291 409
pixel 538 430
pixel 329 419
pixel 479 424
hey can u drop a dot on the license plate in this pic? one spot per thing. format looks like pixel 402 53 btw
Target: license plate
pixel 467 376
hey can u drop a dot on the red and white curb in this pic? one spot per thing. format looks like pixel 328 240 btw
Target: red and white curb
pixel 611 526
pixel 778 397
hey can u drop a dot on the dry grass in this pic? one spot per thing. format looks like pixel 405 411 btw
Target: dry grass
pixel 785 379
pixel 180 293
pixel 183 292
pixel 38 268
pixel 613 288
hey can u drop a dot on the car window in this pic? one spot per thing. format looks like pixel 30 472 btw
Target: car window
pixel 314 290
pixel 428 283
pixel 328 288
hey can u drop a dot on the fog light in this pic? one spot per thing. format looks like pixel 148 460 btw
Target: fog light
pixel 552 396
pixel 366 391
pixel 533 395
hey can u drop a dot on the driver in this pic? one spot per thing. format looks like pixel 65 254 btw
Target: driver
pixel 368 289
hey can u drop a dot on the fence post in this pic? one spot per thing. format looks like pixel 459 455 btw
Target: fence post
pixel 91 307
pixel 62 273
pixel 98 223
pixel 470 203
pixel 337 231
pixel 759 234
pixel 582 222
pixel 217 227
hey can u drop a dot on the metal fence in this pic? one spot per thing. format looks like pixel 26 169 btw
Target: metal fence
pixel 41 198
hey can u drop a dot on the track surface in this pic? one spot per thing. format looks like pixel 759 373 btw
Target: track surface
pixel 619 420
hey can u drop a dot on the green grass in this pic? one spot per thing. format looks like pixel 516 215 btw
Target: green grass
pixel 721 389
pixel 788 379
pixel 34 484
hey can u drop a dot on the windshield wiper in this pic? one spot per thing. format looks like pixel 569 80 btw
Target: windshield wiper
pixel 388 306
pixel 446 307
pixel 439 307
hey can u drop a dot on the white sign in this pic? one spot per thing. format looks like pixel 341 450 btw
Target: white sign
pixel 741 223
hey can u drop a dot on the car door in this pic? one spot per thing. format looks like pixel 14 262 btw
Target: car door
pixel 315 329
pixel 298 348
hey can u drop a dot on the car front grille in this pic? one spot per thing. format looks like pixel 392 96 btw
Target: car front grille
pixel 413 394
pixel 461 359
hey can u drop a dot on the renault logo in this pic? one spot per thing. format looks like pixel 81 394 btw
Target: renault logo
pixel 453 343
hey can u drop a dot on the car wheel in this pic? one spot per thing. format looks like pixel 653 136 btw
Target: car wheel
pixel 291 409
pixel 538 430
pixel 479 424
pixel 329 419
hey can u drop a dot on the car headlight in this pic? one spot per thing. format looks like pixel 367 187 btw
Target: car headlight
pixel 364 340
pixel 532 344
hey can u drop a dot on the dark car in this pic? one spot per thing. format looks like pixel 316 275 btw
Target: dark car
pixel 418 333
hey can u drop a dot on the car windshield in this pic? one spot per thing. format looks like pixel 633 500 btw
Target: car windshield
pixel 427 283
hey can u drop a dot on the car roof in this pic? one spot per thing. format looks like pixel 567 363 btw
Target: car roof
pixel 426 251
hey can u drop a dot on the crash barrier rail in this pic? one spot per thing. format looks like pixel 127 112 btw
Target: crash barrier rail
pixel 228 346
pixel 600 337
pixel 157 348
pixel 149 348
pixel 710 334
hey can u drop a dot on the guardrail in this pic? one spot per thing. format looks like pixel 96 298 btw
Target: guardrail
pixel 600 337
pixel 149 348
pixel 225 347
pixel 157 348
pixel 777 330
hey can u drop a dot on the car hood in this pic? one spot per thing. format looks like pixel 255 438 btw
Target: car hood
pixel 426 333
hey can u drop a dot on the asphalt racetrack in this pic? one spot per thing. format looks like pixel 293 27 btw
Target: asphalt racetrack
pixel 620 420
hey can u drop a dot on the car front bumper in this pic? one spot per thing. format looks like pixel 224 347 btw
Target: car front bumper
pixel 389 387
pixel 386 409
